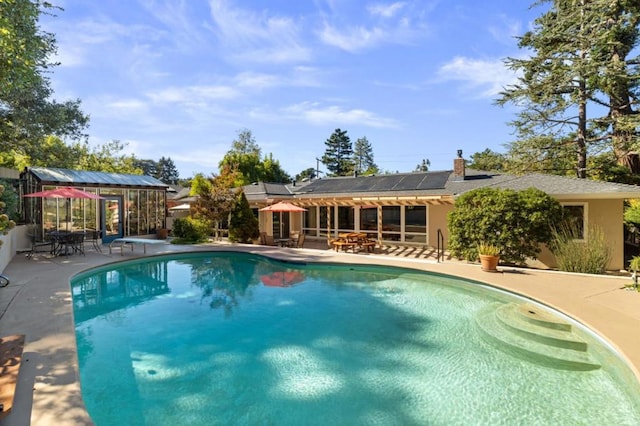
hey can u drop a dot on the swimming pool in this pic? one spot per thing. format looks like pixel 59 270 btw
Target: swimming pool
pixel 234 338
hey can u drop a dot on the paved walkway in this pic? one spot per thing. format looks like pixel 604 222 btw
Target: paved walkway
pixel 38 304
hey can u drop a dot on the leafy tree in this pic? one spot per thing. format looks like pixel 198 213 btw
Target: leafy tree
pixel 243 225
pixel 632 213
pixel 245 143
pixel 27 112
pixel 108 158
pixel 54 152
pixel 246 157
pixel 309 173
pixel 487 160
pixel 51 152
pixel 363 157
pixel 338 155
pixel 424 166
pixel 215 198
pixel 579 59
pixel 515 221
pixel 272 171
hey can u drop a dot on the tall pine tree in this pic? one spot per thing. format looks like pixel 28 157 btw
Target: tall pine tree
pixel 338 154
pixel 363 157
pixel 578 66
pixel 167 171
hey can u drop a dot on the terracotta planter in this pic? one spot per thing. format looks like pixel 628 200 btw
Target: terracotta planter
pixel 489 263
pixel 163 233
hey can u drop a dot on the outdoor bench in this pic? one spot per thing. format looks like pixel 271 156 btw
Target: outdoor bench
pixel 344 245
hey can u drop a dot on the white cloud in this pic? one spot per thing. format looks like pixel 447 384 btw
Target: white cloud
pixel 490 77
pixel 386 10
pixel 130 105
pixel 257 80
pixel 180 22
pixel 193 95
pixel 313 113
pixel 258 36
pixel 384 24
pixel 353 40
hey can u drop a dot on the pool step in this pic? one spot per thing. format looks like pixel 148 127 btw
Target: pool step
pixel 533 334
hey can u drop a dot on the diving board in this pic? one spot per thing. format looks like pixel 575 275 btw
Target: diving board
pixel 132 241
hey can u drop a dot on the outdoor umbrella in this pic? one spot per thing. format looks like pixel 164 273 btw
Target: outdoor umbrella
pixel 280 207
pixel 283 206
pixel 64 192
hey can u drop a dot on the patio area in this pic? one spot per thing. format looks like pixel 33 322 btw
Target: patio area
pixel 38 304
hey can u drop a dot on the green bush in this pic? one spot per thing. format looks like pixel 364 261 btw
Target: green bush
pixel 516 222
pixel 243 225
pixel 589 256
pixel 9 197
pixel 189 230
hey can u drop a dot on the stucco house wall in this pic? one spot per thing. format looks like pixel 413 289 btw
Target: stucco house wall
pixel 437 219
pixel 608 215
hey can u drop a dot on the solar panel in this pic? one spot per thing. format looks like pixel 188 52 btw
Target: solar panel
pixel 381 183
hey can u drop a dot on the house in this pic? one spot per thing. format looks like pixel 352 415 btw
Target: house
pixel 129 204
pixel 412 208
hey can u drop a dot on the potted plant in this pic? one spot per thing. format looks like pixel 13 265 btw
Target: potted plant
pixel 489 257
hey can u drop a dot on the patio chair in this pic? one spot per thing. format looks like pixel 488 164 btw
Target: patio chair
pixel 36 245
pixel 300 241
pixel 95 236
pixel 77 242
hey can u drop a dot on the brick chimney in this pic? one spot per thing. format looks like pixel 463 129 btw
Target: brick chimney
pixel 458 167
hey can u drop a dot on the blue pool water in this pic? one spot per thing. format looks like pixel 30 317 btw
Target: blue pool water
pixel 231 338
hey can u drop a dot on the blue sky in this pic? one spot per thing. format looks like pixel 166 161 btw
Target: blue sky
pixel 180 78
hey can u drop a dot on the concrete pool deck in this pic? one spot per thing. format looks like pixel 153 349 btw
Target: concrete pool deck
pixel 38 304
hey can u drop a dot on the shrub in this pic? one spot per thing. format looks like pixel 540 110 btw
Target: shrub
pixel 9 197
pixel 189 230
pixel 516 222
pixel 589 256
pixel 243 226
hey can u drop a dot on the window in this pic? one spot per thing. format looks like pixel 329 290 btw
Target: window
pixel 415 225
pixel 576 217
pixel 345 219
pixel 391 223
pixel 369 218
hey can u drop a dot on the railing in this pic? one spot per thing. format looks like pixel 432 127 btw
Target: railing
pixel 440 248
